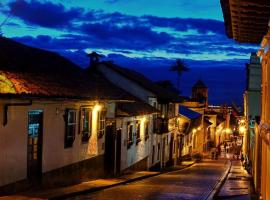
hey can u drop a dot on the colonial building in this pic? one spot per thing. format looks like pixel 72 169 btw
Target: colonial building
pixel 189 124
pixel 252 107
pixel 246 21
pixel 58 121
pixel 134 132
pixel 164 127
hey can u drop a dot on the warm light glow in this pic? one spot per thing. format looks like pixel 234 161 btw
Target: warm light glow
pixel 199 128
pixel 242 129
pixel 6 86
pixel 194 130
pixel 97 108
pixel 228 130
pixel 143 119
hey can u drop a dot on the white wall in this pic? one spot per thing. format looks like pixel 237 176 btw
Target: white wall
pixel 135 153
pixel 13 140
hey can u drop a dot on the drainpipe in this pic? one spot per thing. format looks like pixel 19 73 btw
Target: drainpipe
pixel 6 106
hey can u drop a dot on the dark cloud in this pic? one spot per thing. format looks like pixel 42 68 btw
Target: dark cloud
pixel 45 14
pixel 128 37
pixel 181 24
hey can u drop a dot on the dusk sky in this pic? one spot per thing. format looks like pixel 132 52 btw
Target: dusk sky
pixel 146 35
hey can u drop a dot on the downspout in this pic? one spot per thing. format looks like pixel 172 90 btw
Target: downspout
pixel 6 106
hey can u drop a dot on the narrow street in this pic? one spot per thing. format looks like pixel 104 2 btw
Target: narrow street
pixel 192 183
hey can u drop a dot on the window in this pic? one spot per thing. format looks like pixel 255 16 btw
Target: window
pixel 130 134
pixel 101 123
pixel 153 154
pixel 158 154
pixel 146 130
pixel 70 120
pixel 138 132
pixel 86 120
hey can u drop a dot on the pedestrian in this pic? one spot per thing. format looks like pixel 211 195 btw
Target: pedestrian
pixel 225 147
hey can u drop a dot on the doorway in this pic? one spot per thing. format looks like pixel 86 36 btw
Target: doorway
pixel 34 145
pixel 109 156
pixel 118 150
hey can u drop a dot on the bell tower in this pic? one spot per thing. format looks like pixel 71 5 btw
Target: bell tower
pixel 200 92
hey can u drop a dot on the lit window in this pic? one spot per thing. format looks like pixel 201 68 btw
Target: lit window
pixel 101 123
pixel 86 119
pixel 70 119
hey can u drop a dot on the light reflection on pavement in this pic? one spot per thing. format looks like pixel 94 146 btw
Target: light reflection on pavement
pixel 191 183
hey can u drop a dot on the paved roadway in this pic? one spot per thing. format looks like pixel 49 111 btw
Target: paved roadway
pixel 193 183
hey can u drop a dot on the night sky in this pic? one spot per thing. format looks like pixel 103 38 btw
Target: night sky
pixel 146 35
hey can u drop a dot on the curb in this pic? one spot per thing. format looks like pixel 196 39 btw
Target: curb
pixel 91 190
pixel 211 195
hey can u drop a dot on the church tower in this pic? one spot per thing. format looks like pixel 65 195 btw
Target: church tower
pixel 200 92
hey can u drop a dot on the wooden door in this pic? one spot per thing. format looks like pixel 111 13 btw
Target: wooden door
pixel 118 150
pixel 34 146
pixel 109 156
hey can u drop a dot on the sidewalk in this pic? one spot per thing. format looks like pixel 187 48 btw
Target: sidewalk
pixel 237 185
pixel 89 186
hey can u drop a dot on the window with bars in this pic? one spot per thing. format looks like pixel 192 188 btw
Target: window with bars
pixel 70 124
pixel 138 132
pixel 101 123
pixel 129 134
pixel 146 130
pixel 86 124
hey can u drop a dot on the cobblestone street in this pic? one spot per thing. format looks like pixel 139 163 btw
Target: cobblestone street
pixel 195 182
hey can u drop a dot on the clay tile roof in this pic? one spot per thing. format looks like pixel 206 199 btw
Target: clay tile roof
pixel 28 71
pixel 162 93
pixel 137 108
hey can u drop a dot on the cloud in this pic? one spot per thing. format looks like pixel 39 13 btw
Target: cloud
pixel 182 24
pixel 142 37
pixel 45 14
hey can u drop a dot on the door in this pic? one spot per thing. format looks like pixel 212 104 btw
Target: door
pixel 34 146
pixel 118 150
pixel 171 150
pixel 109 156
pixel 163 156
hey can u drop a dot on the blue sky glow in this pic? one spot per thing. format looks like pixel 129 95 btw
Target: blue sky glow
pixel 140 34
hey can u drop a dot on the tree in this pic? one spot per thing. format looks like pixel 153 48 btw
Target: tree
pixel 179 67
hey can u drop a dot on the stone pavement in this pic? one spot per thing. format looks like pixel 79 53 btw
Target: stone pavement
pixel 237 185
pixel 89 186
pixel 193 183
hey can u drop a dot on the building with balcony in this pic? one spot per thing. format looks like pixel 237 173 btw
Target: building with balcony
pixel 166 102
pixel 247 22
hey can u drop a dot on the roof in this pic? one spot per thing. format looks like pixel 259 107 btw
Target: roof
pixel 31 72
pixel 185 111
pixel 199 84
pixel 195 123
pixel 138 108
pixel 220 119
pixel 246 20
pixel 162 93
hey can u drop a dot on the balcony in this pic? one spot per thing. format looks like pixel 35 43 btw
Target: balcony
pixel 161 125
